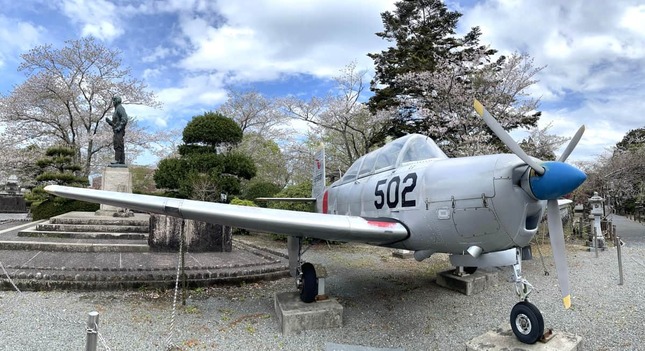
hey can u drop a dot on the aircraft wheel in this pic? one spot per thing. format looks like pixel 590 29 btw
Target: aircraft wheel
pixel 309 287
pixel 527 322
pixel 470 270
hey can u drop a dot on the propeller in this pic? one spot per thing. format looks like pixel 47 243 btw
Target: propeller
pixel 572 144
pixel 506 138
pixel 547 181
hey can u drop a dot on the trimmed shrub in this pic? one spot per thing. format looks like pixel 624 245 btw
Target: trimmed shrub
pixel 240 202
pixel 58 206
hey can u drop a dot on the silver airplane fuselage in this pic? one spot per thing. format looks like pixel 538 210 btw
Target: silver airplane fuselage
pixel 447 204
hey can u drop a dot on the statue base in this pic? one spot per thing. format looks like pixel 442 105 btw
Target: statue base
pixel 116 177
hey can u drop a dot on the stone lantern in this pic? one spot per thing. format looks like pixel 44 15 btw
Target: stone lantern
pixel 596 204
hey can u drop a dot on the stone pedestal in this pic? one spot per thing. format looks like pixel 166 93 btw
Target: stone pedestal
pixel 295 316
pixel 502 338
pixel 115 178
pixel 165 234
pixel 469 284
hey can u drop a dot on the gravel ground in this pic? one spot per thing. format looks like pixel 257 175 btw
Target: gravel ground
pixel 388 303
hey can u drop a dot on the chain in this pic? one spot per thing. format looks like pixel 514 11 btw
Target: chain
pixel 171 330
pixel 103 341
pixel 25 263
pixel 9 278
pixel 637 261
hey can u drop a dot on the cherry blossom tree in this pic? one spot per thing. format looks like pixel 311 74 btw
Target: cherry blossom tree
pixel 618 174
pixel 541 144
pixel 264 126
pixel 341 120
pixel 255 114
pixel 19 161
pixel 442 108
pixel 66 97
pixel 267 157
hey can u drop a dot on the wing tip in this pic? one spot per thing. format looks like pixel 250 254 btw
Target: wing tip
pixel 567 301
pixel 479 107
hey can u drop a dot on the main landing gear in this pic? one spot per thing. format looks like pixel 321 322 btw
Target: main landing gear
pixel 304 272
pixel 527 322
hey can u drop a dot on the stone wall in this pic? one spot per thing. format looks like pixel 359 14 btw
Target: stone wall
pixel 165 234
pixel 12 204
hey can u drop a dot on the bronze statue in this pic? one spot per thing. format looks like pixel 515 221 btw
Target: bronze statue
pixel 118 122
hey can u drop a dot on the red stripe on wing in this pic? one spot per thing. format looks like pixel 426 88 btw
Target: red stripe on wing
pixel 381 224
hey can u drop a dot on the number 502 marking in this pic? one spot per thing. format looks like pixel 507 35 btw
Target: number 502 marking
pixel 391 195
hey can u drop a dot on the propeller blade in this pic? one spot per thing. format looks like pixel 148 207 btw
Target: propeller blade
pixel 556 234
pixel 572 144
pixel 506 138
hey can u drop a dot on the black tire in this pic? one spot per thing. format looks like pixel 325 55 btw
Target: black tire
pixel 527 322
pixel 309 288
pixel 470 270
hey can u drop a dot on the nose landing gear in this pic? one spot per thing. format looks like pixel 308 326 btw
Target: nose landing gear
pixel 526 320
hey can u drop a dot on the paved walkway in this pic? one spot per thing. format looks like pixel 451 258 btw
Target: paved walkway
pixel 44 270
pixel 630 232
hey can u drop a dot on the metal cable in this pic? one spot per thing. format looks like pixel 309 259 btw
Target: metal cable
pixel 171 329
pixel 546 272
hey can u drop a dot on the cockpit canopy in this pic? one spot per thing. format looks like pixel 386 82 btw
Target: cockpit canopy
pixel 410 148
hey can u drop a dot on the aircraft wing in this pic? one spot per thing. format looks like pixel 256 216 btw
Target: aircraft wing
pixel 302 224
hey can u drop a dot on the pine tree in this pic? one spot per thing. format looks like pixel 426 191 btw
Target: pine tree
pixel 206 167
pixel 427 81
pixel 421 31
pixel 57 167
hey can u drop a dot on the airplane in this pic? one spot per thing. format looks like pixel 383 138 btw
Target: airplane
pixel 482 210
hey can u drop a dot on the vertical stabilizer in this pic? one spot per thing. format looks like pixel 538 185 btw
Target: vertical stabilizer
pixel 318 181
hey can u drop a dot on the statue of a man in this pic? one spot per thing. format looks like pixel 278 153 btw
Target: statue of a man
pixel 118 122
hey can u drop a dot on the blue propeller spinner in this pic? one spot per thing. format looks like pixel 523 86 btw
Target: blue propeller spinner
pixel 559 179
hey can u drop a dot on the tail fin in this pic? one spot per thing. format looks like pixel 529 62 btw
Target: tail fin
pixel 318 182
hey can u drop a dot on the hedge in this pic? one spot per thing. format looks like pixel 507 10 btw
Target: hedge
pixel 51 208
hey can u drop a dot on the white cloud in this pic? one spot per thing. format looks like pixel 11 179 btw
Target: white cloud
pixel 634 19
pixel 17 37
pixel 98 18
pixel 154 116
pixel 159 53
pixel 272 38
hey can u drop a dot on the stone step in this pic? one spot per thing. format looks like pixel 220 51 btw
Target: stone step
pixel 99 221
pixel 89 218
pixel 87 245
pixel 115 278
pixel 35 232
pixel 51 227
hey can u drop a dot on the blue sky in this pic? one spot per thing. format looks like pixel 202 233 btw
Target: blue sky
pixel 189 51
